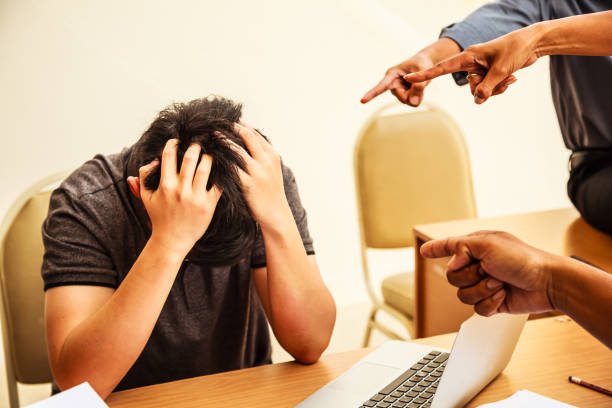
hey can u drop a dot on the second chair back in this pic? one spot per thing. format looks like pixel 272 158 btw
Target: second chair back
pixel 21 254
pixel 410 168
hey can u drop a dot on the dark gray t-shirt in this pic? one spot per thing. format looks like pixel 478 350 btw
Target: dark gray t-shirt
pixel 580 85
pixel 212 321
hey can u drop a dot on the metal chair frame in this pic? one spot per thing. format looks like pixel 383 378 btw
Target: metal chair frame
pixel 378 304
pixel 7 330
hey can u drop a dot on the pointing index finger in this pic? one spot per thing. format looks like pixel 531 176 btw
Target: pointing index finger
pixel 379 88
pixel 454 64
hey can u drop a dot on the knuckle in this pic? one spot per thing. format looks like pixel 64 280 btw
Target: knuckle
pixel 483 309
pixel 247 184
pixel 418 88
pixel 450 277
pixel 190 157
pixel 179 195
pixel 201 169
pixel 171 144
pixel 463 296
pixel 167 154
pixel 202 205
pixel 166 188
pixel 496 70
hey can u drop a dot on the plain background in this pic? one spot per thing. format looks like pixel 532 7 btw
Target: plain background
pixel 79 78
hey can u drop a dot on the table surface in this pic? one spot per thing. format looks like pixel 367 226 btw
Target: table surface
pixel 560 231
pixel 548 352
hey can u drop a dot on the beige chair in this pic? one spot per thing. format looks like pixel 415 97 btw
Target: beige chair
pixel 21 252
pixel 411 167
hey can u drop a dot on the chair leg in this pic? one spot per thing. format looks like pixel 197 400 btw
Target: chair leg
pixel 368 332
pixel 13 395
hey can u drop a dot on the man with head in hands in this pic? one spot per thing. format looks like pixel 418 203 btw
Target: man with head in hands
pixel 169 259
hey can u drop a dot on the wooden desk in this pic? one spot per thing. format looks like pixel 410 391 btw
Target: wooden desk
pixel 548 352
pixel 560 231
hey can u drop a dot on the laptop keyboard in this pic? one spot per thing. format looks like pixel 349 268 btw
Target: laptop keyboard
pixel 415 387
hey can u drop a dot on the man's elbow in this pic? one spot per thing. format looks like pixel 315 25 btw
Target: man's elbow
pixel 67 381
pixel 312 350
pixel 309 356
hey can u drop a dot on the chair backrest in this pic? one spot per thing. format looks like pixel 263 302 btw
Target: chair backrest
pixel 21 254
pixel 411 168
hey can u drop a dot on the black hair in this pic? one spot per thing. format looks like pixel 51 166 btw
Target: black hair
pixel 210 123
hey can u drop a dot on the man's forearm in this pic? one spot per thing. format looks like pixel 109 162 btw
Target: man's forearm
pixel 588 34
pixel 584 293
pixel 103 347
pixel 302 311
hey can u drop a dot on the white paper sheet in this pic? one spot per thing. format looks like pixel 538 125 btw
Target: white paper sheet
pixel 78 397
pixel 526 399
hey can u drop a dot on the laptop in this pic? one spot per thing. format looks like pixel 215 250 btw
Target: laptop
pixel 405 375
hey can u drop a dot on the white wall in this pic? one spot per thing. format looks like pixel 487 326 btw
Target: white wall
pixel 82 77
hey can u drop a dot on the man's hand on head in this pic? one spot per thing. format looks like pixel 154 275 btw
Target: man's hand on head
pixel 262 182
pixel 181 208
pixel 495 272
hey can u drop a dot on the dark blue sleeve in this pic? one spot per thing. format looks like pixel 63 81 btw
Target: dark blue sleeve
pixel 494 20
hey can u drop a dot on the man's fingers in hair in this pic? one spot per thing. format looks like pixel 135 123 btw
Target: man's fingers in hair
pixel 145 170
pixel 202 172
pixel 240 150
pixel 251 140
pixel 491 305
pixel 143 173
pixel 467 276
pixel 264 142
pixel 188 166
pixel 245 179
pixel 168 162
pixel 482 290
pixel 215 193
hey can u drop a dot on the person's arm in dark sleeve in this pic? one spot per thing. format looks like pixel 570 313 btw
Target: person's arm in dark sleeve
pixel 491 21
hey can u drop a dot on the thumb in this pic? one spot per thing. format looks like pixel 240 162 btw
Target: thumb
pixel 462 258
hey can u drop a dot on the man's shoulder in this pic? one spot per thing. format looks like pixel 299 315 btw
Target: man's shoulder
pixel 287 173
pixel 96 176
